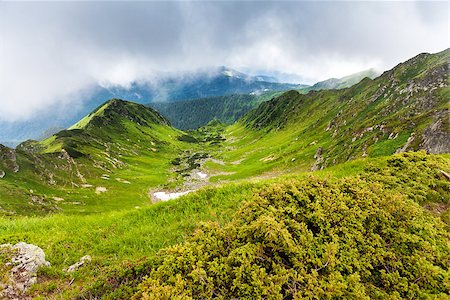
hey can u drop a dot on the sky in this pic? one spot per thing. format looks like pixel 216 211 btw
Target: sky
pixel 52 53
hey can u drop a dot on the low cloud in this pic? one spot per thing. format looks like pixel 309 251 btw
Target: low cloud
pixel 53 53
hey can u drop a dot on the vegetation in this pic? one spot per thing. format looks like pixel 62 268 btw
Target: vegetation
pixel 344 82
pixel 368 223
pixel 192 114
pixel 311 239
pixel 404 109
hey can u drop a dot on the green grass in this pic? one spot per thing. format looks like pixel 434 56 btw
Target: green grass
pixel 131 234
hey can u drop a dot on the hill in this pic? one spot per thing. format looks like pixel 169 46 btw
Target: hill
pixel 195 113
pixel 119 144
pixel 404 109
pixel 344 82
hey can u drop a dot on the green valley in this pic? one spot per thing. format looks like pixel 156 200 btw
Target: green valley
pixel 340 193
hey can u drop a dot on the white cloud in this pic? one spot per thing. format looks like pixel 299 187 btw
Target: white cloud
pixel 52 53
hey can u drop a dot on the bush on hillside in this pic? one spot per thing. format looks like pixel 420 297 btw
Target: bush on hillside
pixel 415 174
pixel 311 239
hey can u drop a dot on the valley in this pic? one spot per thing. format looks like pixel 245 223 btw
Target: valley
pixel 225 210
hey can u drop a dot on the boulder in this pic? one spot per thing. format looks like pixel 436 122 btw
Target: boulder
pixel 26 259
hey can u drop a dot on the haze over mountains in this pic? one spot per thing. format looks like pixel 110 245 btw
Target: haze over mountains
pixel 167 88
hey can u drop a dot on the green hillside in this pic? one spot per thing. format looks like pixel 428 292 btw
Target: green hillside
pixel 118 152
pixel 192 114
pixel 344 82
pixel 404 109
pixel 303 197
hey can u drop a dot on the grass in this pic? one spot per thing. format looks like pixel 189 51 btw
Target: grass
pixel 129 235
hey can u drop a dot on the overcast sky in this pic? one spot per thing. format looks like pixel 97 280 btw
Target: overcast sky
pixel 52 52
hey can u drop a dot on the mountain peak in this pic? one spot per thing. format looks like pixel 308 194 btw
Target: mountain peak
pixel 116 110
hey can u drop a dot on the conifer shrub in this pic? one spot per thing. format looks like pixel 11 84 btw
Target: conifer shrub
pixel 319 239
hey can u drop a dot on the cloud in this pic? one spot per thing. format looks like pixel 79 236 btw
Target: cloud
pixel 53 53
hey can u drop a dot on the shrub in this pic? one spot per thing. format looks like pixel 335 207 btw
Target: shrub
pixel 311 239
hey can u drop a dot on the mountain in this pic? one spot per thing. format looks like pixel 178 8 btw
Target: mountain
pixel 210 82
pixel 320 194
pixel 192 114
pixel 344 82
pixel 116 137
pixel 404 109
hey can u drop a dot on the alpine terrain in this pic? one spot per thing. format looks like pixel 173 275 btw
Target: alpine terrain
pixel 339 190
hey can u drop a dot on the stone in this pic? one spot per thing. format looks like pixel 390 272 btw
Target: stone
pixel 2 174
pixel 26 259
pixel 436 137
pixel 318 152
pixel 84 260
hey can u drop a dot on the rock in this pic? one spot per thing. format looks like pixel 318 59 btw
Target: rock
pixel 8 156
pixel 100 189
pixel 84 260
pixel 408 143
pixel 318 165
pixel 2 174
pixel 436 137
pixel 318 152
pixel 26 259
pixel 446 175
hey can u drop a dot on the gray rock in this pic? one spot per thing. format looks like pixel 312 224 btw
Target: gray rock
pixel 2 174
pixel 318 165
pixel 26 259
pixel 84 260
pixel 436 137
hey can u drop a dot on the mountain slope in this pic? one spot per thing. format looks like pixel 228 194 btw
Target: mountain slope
pixel 404 109
pixel 120 144
pixel 344 82
pixel 211 82
pixel 192 114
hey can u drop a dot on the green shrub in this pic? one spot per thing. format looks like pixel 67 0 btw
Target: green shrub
pixel 311 239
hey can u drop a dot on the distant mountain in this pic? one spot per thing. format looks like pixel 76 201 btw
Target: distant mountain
pixel 192 114
pixel 210 82
pixel 344 82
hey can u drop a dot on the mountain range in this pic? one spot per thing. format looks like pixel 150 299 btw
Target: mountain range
pixel 209 82
pixel 222 82
pixel 338 190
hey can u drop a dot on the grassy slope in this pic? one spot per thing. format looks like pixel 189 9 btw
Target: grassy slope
pixel 114 237
pixel 133 158
pixel 374 117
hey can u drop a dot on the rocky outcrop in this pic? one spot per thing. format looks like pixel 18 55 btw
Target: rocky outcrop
pixel 407 144
pixel 436 137
pixel 318 165
pixel 8 157
pixel 26 259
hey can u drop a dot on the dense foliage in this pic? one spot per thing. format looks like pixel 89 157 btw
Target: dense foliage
pixel 315 238
pixel 191 114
